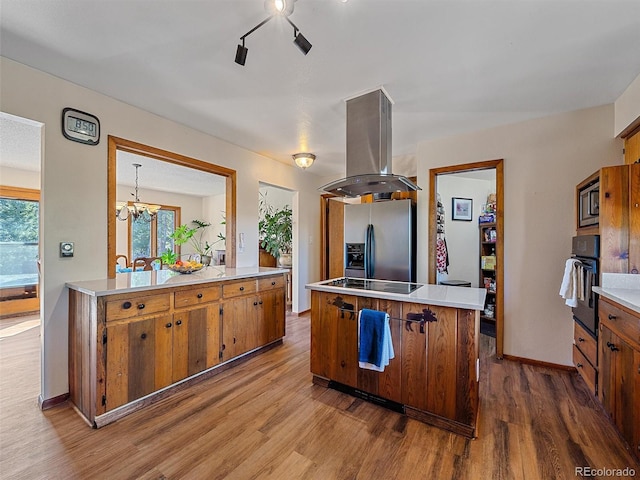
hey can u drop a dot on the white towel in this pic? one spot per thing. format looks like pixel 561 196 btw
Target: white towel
pixel 570 283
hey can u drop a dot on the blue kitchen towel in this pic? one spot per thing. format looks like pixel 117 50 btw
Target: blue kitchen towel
pixel 374 344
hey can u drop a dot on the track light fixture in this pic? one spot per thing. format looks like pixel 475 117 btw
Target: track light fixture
pixel 283 8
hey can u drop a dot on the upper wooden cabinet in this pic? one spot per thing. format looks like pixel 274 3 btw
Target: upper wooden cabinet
pixel 632 148
pixel 619 218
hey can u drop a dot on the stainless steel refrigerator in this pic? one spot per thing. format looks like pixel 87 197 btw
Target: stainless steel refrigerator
pixel 380 240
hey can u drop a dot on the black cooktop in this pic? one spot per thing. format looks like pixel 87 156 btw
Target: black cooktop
pixel 376 285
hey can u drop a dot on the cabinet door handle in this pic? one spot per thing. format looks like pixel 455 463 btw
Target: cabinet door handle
pixel 140 306
pixel 168 325
pixel 612 317
pixel 241 289
pixel 580 339
pixel 179 322
pixel 579 365
pixel 126 305
pixel 143 336
pixel 273 283
pixel 260 302
pixel 199 295
pixel 255 303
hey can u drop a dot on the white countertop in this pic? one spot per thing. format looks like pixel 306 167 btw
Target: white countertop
pixel 154 279
pixel 621 288
pixel 440 295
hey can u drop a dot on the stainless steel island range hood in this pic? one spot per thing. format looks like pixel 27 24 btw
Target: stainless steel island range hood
pixel 369 150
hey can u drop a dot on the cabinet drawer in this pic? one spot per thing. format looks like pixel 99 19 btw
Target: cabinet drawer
pixel 196 296
pixel 620 322
pixel 137 306
pixel 585 343
pixel 270 282
pixel 585 369
pixel 234 289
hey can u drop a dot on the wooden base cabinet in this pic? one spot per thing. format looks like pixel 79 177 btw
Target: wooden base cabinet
pixel 433 376
pixel 253 315
pixel 126 347
pixel 619 370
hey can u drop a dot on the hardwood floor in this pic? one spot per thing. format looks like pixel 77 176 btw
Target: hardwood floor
pixel 265 419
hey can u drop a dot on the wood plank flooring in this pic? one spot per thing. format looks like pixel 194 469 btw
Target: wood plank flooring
pixel 266 420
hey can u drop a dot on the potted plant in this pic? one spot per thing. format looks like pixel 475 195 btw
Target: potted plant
pixel 275 232
pixel 194 235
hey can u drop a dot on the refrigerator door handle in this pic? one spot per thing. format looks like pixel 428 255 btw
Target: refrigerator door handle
pixel 369 251
pixel 366 253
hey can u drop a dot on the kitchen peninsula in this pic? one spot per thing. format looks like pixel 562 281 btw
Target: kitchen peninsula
pixel 137 338
pixel 434 330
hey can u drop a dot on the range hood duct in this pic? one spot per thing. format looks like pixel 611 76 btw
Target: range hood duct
pixel 369 150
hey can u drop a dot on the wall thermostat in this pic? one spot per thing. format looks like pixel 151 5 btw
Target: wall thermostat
pixel 66 249
pixel 80 126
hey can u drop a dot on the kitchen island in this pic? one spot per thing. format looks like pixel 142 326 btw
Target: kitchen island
pixel 434 330
pixel 141 336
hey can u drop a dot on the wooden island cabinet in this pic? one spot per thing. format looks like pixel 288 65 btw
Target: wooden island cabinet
pixel 136 338
pixel 434 374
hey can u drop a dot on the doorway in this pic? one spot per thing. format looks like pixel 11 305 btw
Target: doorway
pixel 275 207
pixel 475 239
pixel 118 146
pixel 20 166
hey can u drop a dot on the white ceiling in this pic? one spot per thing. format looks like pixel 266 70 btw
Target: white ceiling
pixel 449 66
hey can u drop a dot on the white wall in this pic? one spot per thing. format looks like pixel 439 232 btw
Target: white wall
pixel 15 177
pixel 544 159
pixel 627 107
pixel 215 213
pixel 463 244
pixel 74 189
pixel 276 197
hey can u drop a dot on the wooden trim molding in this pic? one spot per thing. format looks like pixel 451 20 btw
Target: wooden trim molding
pixel 115 144
pixel 52 402
pixel 433 199
pixel 539 363
pixel 19 193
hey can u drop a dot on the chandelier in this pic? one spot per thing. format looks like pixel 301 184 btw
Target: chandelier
pixel 138 210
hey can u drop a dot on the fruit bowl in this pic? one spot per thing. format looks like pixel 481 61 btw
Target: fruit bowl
pixel 186 267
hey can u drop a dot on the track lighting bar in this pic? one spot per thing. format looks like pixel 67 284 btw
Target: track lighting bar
pixel 301 42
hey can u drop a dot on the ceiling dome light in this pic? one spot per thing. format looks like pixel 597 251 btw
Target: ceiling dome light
pixel 304 160
pixel 279 7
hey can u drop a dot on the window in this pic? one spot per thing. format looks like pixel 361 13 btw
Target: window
pixel 152 239
pixel 19 235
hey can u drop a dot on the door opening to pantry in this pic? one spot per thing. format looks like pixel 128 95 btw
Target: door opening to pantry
pixel 475 211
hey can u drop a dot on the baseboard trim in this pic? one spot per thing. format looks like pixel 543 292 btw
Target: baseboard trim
pixel 52 402
pixel 539 363
pixel 303 313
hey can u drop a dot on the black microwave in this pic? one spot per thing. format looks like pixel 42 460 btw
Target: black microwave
pixel 589 205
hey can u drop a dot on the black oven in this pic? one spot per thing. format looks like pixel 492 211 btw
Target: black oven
pixel 586 249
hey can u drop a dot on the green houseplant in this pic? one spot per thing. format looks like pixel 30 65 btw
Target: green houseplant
pixel 194 236
pixel 275 230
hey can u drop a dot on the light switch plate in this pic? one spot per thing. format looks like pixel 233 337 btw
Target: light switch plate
pixel 66 249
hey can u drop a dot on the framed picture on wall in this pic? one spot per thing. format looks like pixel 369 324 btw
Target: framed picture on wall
pixel 462 209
